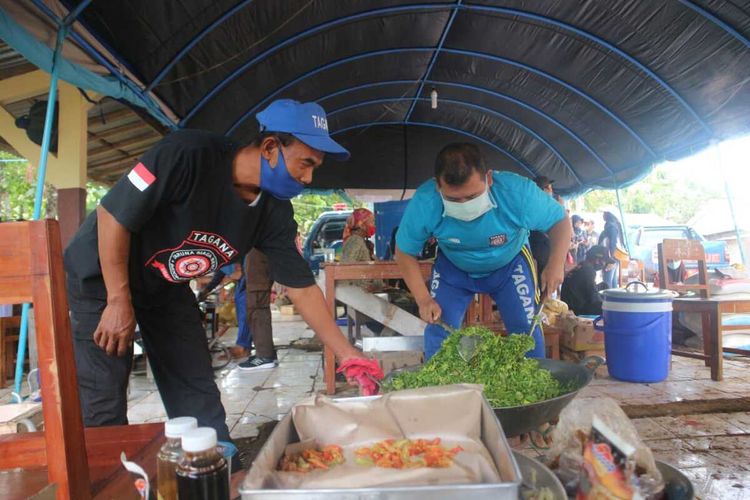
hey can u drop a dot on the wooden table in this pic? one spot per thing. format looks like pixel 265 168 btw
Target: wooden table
pixel 337 271
pixel 23 460
pixel 711 310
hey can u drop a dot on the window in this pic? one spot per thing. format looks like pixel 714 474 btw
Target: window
pixel 650 238
pixel 329 233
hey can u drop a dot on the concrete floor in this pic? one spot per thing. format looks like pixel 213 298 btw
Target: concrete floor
pixel 713 449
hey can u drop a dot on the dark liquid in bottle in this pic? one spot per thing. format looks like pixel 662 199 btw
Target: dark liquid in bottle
pixel 203 481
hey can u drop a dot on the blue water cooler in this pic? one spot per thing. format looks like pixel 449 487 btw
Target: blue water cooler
pixel 637 333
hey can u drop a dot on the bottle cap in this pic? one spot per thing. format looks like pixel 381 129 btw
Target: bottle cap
pixel 176 427
pixel 200 439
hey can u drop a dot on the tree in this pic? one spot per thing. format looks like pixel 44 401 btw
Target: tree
pixel 94 194
pixel 308 207
pixel 16 188
pixel 18 185
pixel 663 192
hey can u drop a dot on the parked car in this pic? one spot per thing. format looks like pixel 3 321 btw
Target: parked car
pixel 643 240
pixel 327 232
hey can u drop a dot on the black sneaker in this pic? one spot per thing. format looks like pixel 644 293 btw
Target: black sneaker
pixel 258 363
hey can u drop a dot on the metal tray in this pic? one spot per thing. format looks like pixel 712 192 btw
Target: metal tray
pixel 678 486
pixel 536 476
pixel 492 437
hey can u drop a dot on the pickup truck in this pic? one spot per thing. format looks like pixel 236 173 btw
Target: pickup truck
pixel 642 241
pixel 326 232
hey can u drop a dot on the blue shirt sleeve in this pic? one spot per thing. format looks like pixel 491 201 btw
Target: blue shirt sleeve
pixel 414 230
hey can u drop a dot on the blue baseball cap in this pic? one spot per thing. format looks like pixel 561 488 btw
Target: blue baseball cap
pixel 305 121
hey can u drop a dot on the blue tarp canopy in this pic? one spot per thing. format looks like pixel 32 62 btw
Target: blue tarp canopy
pixel 591 94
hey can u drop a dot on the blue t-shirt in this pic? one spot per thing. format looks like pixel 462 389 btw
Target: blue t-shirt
pixel 489 242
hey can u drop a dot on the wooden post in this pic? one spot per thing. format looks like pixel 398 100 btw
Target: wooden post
pixel 715 344
pixel 329 360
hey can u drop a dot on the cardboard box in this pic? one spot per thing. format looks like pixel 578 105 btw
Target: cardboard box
pixel 395 360
pixel 579 334
pixel 576 356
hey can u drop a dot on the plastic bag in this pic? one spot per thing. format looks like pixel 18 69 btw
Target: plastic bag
pixel 572 432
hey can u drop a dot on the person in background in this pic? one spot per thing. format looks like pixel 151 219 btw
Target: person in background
pixel 539 240
pixel 611 238
pixel 357 247
pixel 580 239
pixel 233 272
pixel 592 235
pixel 360 227
pixel 481 220
pixel 258 305
pixel 579 289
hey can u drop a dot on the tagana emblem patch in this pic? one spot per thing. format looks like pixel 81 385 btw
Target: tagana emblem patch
pixel 200 253
pixel 498 240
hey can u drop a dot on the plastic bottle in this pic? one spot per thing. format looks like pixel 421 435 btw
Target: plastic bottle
pixel 202 473
pixel 169 455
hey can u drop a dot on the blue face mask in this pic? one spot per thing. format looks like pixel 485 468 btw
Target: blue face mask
pixel 277 181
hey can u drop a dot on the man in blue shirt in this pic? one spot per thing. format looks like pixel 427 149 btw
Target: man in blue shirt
pixel 481 220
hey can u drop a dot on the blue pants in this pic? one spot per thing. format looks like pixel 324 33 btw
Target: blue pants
pixel 610 278
pixel 512 287
pixel 240 305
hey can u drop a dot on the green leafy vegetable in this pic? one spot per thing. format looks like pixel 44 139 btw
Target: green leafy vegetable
pixel 509 378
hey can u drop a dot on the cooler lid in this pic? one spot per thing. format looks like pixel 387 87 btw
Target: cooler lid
pixel 637 291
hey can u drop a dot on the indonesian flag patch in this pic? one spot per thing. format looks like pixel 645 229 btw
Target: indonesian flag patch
pixel 140 177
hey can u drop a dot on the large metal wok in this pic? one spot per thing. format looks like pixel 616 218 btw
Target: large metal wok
pixel 517 420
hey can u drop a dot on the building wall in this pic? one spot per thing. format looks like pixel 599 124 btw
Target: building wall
pixel 732 246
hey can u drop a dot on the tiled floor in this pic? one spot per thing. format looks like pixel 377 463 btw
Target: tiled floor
pixel 249 398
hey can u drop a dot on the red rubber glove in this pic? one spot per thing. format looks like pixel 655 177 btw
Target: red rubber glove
pixel 365 372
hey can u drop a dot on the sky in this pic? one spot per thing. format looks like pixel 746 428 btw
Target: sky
pixel 735 166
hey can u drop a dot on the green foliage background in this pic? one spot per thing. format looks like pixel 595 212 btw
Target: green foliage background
pixel 308 207
pixel 663 192
pixel 17 184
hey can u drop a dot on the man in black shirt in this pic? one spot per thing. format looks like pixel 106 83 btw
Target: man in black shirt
pixel 195 202
pixel 579 289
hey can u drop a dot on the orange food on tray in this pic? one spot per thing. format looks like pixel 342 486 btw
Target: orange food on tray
pixel 311 459
pixel 407 454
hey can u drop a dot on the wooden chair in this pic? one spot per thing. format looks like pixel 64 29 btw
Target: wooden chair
pixel 76 461
pixel 32 271
pixel 9 329
pixel 710 308
pixel 690 250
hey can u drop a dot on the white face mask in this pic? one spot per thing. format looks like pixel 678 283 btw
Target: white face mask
pixel 469 210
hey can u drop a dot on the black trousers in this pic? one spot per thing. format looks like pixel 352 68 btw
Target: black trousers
pixel 176 346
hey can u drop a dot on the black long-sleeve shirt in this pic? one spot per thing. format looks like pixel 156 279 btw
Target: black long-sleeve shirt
pixel 580 292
